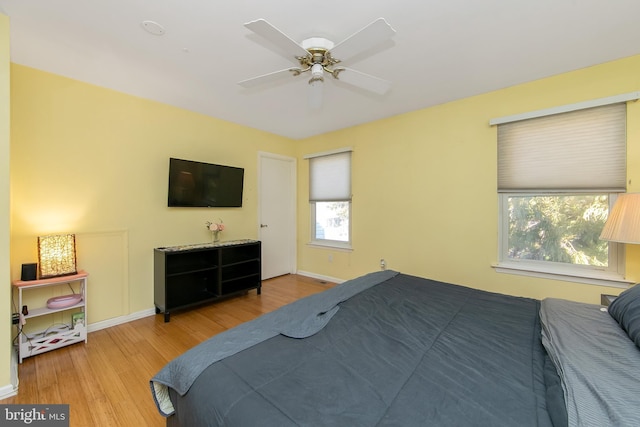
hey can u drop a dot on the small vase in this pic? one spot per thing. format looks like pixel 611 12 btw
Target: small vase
pixel 215 236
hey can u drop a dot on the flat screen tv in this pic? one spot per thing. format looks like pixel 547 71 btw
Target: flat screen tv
pixel 197 184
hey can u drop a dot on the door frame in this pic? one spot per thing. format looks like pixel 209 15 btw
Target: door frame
pixel 292 208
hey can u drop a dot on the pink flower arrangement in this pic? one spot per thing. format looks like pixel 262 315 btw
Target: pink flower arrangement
pixel 215 226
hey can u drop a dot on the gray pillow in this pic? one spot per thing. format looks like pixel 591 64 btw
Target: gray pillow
pixel 626 310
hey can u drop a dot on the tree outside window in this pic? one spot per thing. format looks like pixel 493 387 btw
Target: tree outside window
pixel 558 228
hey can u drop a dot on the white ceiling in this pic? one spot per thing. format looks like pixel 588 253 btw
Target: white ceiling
pixel 442 51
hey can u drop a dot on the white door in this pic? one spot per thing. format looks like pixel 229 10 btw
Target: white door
pixel 277 214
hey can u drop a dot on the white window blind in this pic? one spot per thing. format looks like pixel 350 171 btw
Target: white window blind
pixel 330 177
pixel 575 151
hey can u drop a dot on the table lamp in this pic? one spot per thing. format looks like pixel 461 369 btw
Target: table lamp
pixel 57 255
pixel 623 224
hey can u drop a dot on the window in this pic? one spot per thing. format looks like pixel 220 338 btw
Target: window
pixel 330 198
pixel 558 175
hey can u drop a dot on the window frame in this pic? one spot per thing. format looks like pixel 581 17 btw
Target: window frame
pixel 337 244
pixel 329 243
pixel 612 275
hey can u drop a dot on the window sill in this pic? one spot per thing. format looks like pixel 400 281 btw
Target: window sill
pixel 330 244
pixel 577 275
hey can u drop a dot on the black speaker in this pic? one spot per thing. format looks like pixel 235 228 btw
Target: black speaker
pixel 29 271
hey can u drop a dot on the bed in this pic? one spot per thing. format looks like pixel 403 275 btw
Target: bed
pixel 390 349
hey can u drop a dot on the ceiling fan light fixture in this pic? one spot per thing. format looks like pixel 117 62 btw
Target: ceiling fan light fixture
pixel 315 86
pixel 317 73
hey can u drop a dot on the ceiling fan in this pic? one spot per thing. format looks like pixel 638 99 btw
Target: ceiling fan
pixel 319 56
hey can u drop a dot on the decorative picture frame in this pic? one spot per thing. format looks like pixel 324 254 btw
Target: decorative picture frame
pixel 77 319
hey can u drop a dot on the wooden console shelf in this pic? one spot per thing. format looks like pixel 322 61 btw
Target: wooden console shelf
pixel 185 276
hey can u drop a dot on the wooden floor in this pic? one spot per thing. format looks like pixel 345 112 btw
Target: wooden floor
pixel 106 380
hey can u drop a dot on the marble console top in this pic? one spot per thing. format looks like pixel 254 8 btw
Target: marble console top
pixel 206 245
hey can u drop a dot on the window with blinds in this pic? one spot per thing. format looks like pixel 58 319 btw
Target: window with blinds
pixel 330 198
pixel 557 177
pixel 330 177
pixel 576 151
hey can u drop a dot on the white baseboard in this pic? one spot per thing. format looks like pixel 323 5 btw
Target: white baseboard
pixel 320 277
pixel 7 391
pixel 92 327
pixel 10 390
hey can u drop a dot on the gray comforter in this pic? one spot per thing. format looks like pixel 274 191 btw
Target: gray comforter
pixel 300 319
pixel 405 352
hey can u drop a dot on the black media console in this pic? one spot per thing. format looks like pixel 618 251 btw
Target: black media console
pixel 185 276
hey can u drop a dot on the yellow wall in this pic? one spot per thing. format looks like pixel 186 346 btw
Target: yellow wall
pixel 94 162
pixel 5 292
pixel 424 186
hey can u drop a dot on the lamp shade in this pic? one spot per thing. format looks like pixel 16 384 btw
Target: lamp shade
pixel 57 255
pixel 623 224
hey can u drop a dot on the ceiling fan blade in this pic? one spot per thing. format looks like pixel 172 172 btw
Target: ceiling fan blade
pixel 267 78
pixel 364 81
pixel 277 37
pixel 371 35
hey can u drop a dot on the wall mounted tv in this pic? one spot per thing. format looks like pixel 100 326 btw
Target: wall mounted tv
pixel 197 184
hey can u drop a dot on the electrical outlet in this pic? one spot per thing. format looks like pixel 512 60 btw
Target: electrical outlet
pixel 383 264
pixel 330 257
pixel 15 318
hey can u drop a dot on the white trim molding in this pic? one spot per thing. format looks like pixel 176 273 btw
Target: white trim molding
pixel 585 277
pixel 320 277
pixel 328 153
pixel 625 97
pixel 8 391
pixel 120 320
